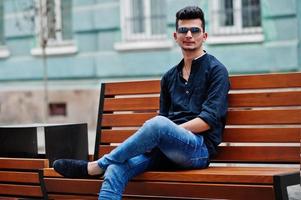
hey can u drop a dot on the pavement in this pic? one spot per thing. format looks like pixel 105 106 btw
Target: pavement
pixel 294 192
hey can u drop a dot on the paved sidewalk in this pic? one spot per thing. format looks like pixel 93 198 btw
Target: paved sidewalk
pixel 294 192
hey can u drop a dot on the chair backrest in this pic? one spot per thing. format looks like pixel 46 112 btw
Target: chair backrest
pixel 22 178
pixel 66 141
pixel 263 123
pixel 20 142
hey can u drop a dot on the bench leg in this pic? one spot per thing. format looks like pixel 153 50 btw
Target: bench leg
pixel 281 182
pixel 43 187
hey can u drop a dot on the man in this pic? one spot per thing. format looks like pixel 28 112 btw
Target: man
pixel 185 135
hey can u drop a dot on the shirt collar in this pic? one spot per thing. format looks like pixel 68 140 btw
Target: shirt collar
pixel 200 55
pixel 195 61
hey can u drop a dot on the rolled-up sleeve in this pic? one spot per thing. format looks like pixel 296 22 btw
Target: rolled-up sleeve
pixel 214 108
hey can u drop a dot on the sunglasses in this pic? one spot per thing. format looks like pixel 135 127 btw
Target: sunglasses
pixel 193 30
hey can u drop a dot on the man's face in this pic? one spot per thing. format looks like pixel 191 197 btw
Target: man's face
pixel 190 34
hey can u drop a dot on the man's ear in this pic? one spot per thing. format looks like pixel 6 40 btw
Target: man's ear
pixel 205 36
pixel 175 36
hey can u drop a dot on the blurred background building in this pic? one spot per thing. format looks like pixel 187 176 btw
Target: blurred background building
pixel 55 53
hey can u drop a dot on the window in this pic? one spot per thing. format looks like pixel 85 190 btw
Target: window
pixel 143 24
pixel 3 50
pixel 54 23
pixel 57 109
pixel 236 21
pixel 1 24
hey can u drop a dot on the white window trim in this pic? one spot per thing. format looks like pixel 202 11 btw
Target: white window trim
pixel 57 46
pixel 133 42
pixel 58 24
pixel 60 48
pixel 144 45
pixel 242 35
pixel 4 52
pixel 126 11
pixel 235 39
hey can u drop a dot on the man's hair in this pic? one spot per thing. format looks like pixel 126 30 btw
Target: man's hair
pixel 190 12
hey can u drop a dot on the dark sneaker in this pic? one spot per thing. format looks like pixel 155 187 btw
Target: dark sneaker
pixel 71 168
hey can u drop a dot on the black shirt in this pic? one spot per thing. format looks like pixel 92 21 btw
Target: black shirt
pixel 204 95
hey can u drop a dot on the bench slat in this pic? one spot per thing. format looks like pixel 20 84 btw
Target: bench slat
pixel 264 117
pixel 22 190
pixel 288 98
pixel 119 120
pixel 285 98
pixel 197 190
pixel 65 185
pixel 235 117
pixel 216 175
pixel 273 154
pixel 135 87
pixel 19 177
pixel 131 104
pixel 50 172
pixel 268 135
pixel 23 163
pixel 263 81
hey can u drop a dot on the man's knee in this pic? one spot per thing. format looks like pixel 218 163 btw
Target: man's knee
pixel 158 123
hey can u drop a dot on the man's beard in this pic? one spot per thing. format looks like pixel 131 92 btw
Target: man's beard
pixel 189 49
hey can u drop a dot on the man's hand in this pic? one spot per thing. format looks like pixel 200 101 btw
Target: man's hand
pixel 196 125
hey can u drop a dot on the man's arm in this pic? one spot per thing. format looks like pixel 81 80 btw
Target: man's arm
pixel 196 125
pixel 215 106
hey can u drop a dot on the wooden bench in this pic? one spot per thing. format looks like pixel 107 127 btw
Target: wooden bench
pixel 258 158
pixel 22 178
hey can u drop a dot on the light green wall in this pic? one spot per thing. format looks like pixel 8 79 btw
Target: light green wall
pixel 1 23
pixel 96 28
pixel 298 7
pixel 278 51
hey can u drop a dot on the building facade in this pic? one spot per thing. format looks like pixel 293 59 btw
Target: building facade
pixel 55 53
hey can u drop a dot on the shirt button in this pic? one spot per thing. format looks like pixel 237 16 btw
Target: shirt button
pixel 185 83
pixel 187 92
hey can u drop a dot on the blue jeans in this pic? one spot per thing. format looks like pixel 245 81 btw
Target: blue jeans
pixel 159 144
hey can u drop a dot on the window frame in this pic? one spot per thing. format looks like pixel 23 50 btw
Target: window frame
pixel 4 52
pixel 57 46
pixel 233 34
pixel 144 40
